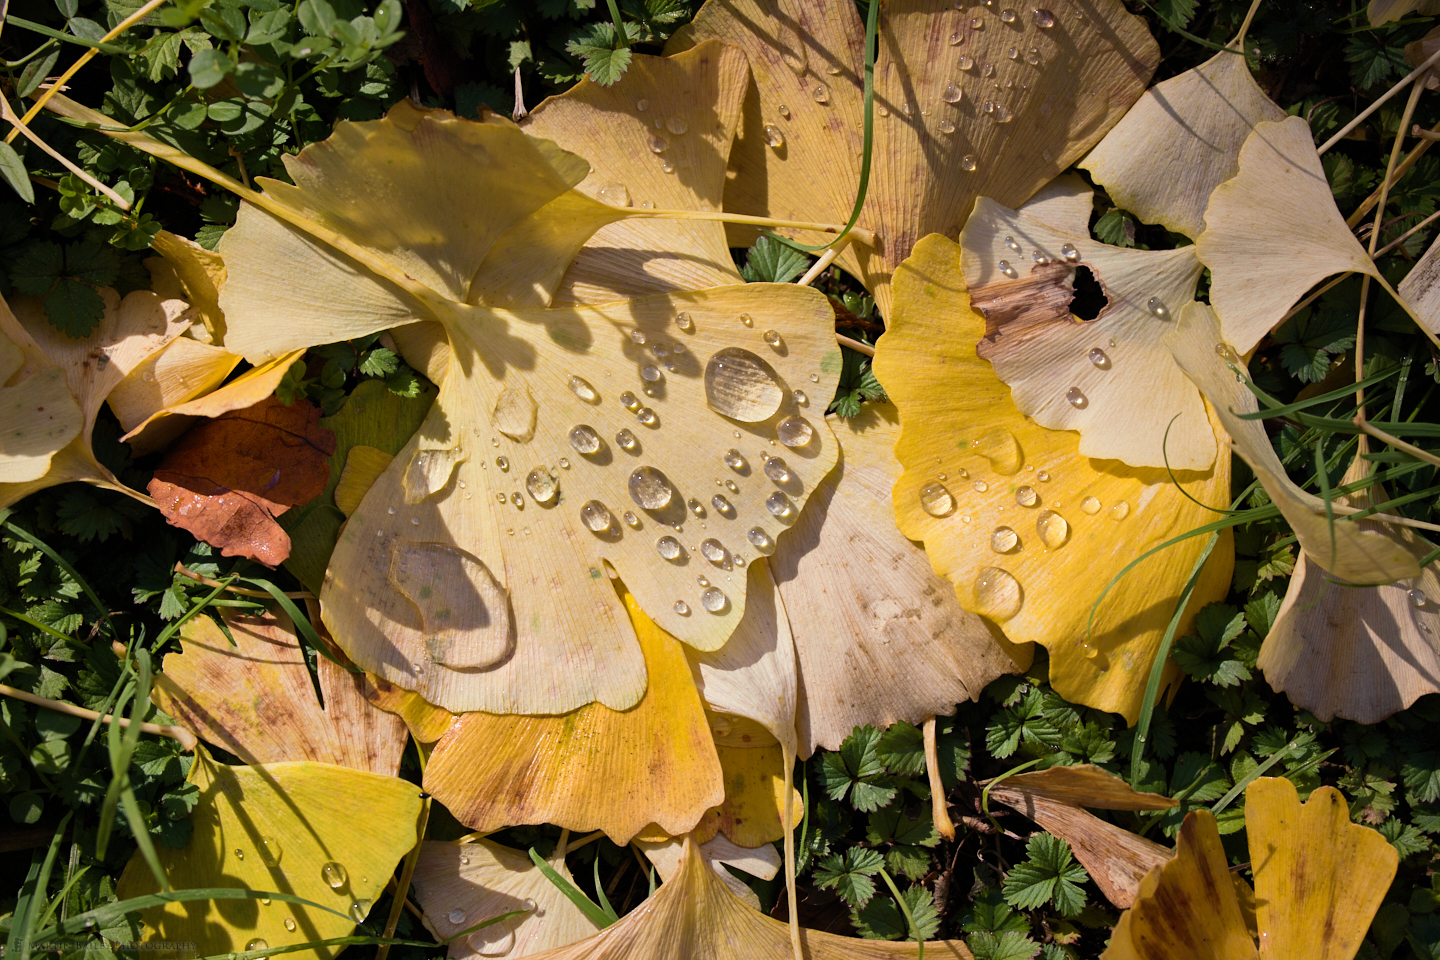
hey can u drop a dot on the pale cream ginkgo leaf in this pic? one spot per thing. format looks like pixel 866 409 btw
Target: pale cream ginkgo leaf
pixel 969 102
pixel 1381 12
pixel 459 885
pixel 184 370
pixel 880 637
pixel 1110 378
pixel 1362 653
pixel 1064 204
pixel 1421 287
pixel 1180 141
pixel 1272 232
pixel 668 856
pixel 607 431
pixel 39 413
pixel 1345 549
pixel 187 271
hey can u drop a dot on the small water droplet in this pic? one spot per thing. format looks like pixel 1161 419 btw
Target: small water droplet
pixel 760 540
pixel 883 110
pixel 1007 15
pixel 1099 358
pixel 822 93
pixel 1003 540
pixel 965 62
pixel 1077 399
pixel 669 548
pixel 642 105
pixel 774 137
pixel 906 109
pixel 1005 268
pixel 542 487
pixel 614 194
pixel 650 373
pixel 968 164
pixel 1090 505
pixel 631 519
pixel 1013 53
pixel 734 460
pixel 977 24
pixel 987 71
pixel 981 486
pixel 953 93
pixel 784 111
pixel 683 321
pixel 1053 529
pixel 650 488
pixel 714 551
pixel 1014 245
pixel 657 144
pixel 647 417
pixel 1043 477
pixel 1001 114
pixel 801 399
pixel 1044 19
pixel 997 594
pixel 779 505
pixel 239 854
pixel 456 916
pixel 794 431
pixel 637 336
pixel 502 463
pixel 668 167
pixel 359 909
pixel 1156 306
pixel 936 500
pixel 257 944
pixel 596 516
pixel 777 470
pixel 1417 598
pixel 947 125
pixel 730 485
pixel 1120 511
pixel 464 861
pixel 391 511
pixel 629 401
pixel 147 376
pixel 714 600
pixel 771 337
pixel 1032 56
pixel 676 125
pixel 517 500
pixel 264 901
pixel 289 925
pixel 1026 496
pixel 1069 252
pixel 584 438
pixel 956 39
pixel 334 875
pixel 746 319
pixel 682 608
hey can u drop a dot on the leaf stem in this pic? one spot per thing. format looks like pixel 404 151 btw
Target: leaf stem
pixel 1364 114
pixel 185 737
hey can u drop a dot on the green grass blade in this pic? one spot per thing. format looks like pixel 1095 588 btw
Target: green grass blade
pixel 32 894
pixel 600 894
pixel 572 893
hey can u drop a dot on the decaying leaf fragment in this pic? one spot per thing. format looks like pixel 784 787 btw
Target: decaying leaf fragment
pixel 1028 529
pixel 229 478
pixel 1272 232
pixel 1318 881
pixel 694 914
pixel 1362 653
pixel 652 763
pixel 1116 859
pixel 39 358
pixel 255 699
pixel 1347 550
pixel 461 884
pixel 1110 378
pixel 286 828
pixel 1180 141
pixel 957 116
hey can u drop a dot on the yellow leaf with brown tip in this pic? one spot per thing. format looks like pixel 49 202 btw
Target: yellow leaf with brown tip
pixel 1027 529
pixel 286 828
pixel 594 768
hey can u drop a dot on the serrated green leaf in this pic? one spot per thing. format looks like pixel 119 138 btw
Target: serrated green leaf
pixel 1010 945
pixel 902 749
pixel 1117 228
pixel 882 919
pixel 1049 874
pixel 771 261
pixel 849 874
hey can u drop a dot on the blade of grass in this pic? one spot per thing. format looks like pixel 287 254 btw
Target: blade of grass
pixel 32 894
pixel 596 914
pixel 885 875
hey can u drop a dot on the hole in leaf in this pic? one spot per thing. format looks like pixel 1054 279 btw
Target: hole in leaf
pixel 1090 297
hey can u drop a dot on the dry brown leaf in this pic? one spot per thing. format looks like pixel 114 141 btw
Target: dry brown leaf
pixel 937 146
pixel 228 479
pixel 255 698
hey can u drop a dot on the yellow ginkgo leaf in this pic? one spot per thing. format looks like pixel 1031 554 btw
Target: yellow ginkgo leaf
pixel 879 636
pixel 1110 378
pixel 255 698
pixel 1180 141
pixel 1116 859
pixel 668 856
pixel 1347 550
pixel 1319 880
pixel 199 274
pixel 363 466
pixel 755 768
pixel 285 828
pixel 39 413
pixel 1272 232
pixel 695 915
pixel 89 368
pixel 967 104
pixel 427 723
pixel 591 769
pixel 461 884
pixel 1362 653
pixel 1028 529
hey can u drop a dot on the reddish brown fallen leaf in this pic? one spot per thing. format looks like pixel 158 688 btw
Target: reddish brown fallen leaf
pixel 227 480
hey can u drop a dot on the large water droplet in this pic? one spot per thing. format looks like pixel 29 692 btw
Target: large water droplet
pixel 289 925
pixel 683 321
pixel 650 488
pixel 1090 505
pixel 626 440
pixel 669 548
pixel 582 389
pixel 965 62
pixel 456 916
pixel 584 438
pixel 682 608
pixel 822 93
pixel 270 851
pixel 1002 114
pixel 722 506
pixel 541 485
pixel 496 940
pixel 779 505
pixel 1053 529
pixel 1000 447
pixel 977 24
pixel 1099 358
pixel 742 386
pixel 760 540
pixel 981 486
pixel 936 500
pixel 1157 306
pixel 947 125
pixel 1044 19
pixel 953 92
pixel 997 594
pixel 968 163
pixel 794 431
pixel 1077 398
pixel 714 551
pixel 956 38
pixel 650 373
pixel 777 470
pixel 1417 598
pixel 734 460
pixel 1003 539
pixel 334 875
pixel 615 194
pixel 1007 15
pixel 1026 497
pixel 515 412
pixel 714 600
pixel 647 417
pixel 359 910
pixel 657 144
pixel 774 137
pixel 1005 268
pixel 257 944
pixel 1120 511
pixel 596 516
pixel 676 125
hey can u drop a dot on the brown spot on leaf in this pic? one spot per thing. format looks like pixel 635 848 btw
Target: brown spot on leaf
pixel 1018 308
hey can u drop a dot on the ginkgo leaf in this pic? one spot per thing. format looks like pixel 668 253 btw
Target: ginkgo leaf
pixel 427 722
pixel 1180 141
pixel 1110 378
pixel 1381 12
pixel 1116 859
pixel 755 770
pixel 1421 287
pixel 879 637
pixel 165 423
pixel 1029 530
pixel 1348 550
pixel 39 414
pixel 658 138
pixel 198 274
pixel 668 856
pixel 255 698
pixel 1362 653
pixel 184 370
pixel 285 828
pixel 131 330
pixel 1272 232
pixel 591 769
pixel 694 914
pixel 461 884
pixel 967 104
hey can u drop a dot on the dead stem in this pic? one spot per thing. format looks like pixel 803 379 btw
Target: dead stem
pixel 855 345
pixel 1364 114
pixel 185 738
pixel 940 807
